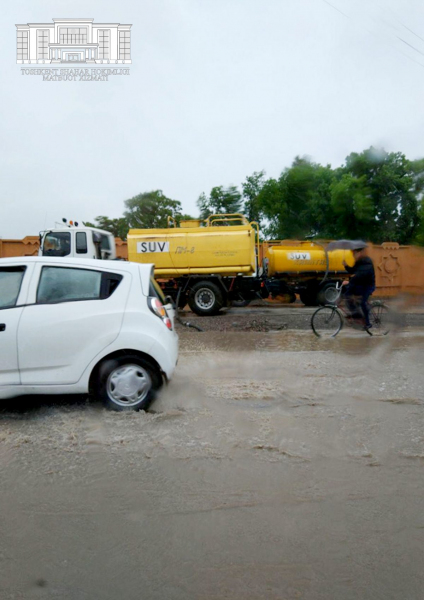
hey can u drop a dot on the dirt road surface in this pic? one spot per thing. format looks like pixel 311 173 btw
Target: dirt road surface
pixel 274 466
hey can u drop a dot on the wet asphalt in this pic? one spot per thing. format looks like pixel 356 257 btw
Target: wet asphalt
pixel 274 466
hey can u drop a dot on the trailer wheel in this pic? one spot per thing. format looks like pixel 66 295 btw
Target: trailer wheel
pixel 205 298
pixel 309 297
pixel 328 294
pixel 182 301
pixel 239 301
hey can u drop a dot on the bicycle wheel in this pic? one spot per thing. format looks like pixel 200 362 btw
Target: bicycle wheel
pixel 326 321
pixel 379 319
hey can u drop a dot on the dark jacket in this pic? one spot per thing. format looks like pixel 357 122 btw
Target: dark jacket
pixel 364 275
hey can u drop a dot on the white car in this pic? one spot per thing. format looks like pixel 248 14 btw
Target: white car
pixel 72 325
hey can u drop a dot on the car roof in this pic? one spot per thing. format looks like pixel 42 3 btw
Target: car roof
pixel 112 265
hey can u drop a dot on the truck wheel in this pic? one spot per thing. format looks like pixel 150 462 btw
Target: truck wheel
pixel 127 383
pixel 328 294
pixel 182 301
pixel 205 298
pixel 309 297
pixel 239 301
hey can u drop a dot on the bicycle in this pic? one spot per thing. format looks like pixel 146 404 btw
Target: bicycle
pixel 328 320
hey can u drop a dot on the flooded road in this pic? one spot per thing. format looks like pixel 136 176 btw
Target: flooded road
pixel 275 466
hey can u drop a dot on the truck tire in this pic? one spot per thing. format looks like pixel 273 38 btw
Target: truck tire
pixel 182 301
pixel 239 301
pixel 205 298
pixel 328 293
pixel 309 297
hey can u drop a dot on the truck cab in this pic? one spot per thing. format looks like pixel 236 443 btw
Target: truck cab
pixel 78 242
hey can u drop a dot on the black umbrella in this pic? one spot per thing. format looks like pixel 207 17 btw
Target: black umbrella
pixel 346 245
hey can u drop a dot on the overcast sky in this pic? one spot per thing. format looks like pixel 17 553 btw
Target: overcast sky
pixel 217 89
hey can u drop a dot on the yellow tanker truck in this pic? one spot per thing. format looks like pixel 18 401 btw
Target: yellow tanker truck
pixel 220 261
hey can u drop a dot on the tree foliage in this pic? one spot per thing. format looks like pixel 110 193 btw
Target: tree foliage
pixel 119 227
pixel 150 210
pixel 383 203
pixel 251 190
pixel 297 204
pixel 220 200
pixel 375 195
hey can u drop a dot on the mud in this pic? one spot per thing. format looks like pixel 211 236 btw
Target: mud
pixel 274 466
pixel 263 316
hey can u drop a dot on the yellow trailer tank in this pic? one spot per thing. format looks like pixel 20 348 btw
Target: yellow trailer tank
pixel 216 248
pixel 305 258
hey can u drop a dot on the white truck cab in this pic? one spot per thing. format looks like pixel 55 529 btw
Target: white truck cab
pixel 77 242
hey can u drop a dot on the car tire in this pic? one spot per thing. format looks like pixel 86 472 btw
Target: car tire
pixel 127 383
pixel 205 298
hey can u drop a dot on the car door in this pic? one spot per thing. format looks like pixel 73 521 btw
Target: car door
pixel 11 290
pixel 77 312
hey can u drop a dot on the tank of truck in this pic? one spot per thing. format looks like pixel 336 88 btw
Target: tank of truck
pixel 306 258
pixel 217 247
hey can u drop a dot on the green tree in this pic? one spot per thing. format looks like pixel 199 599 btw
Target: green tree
pixel 419 236
pixel 297 204
pixel 418 178
pixel 353 207
pixel 150 210
pixel 251 190
pixel 220 201
pixel 384 202
pixel 119 227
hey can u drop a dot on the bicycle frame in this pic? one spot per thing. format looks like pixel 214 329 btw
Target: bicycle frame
pixel 340 304
pixel 344 315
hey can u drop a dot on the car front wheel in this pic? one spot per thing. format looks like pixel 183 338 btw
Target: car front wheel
pixel 127 383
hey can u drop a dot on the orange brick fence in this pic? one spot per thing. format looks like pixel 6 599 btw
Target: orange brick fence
pixel 398 268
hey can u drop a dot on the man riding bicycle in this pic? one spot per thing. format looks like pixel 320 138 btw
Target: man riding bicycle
pixel 361 285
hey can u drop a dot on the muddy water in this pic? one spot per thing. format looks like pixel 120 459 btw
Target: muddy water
pixel 275 466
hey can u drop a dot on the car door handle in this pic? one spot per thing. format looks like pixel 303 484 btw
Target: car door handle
pixel 2 326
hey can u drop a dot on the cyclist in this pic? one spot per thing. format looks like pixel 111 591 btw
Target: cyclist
pixel 361 285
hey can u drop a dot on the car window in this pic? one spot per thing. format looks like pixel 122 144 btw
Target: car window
pixel 10 285
pixel 61 284
pixel 110 283
pixel 57 243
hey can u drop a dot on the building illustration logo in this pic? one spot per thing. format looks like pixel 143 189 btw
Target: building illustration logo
pixel 73 41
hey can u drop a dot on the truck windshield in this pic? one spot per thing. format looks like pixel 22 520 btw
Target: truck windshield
pixel 57 243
